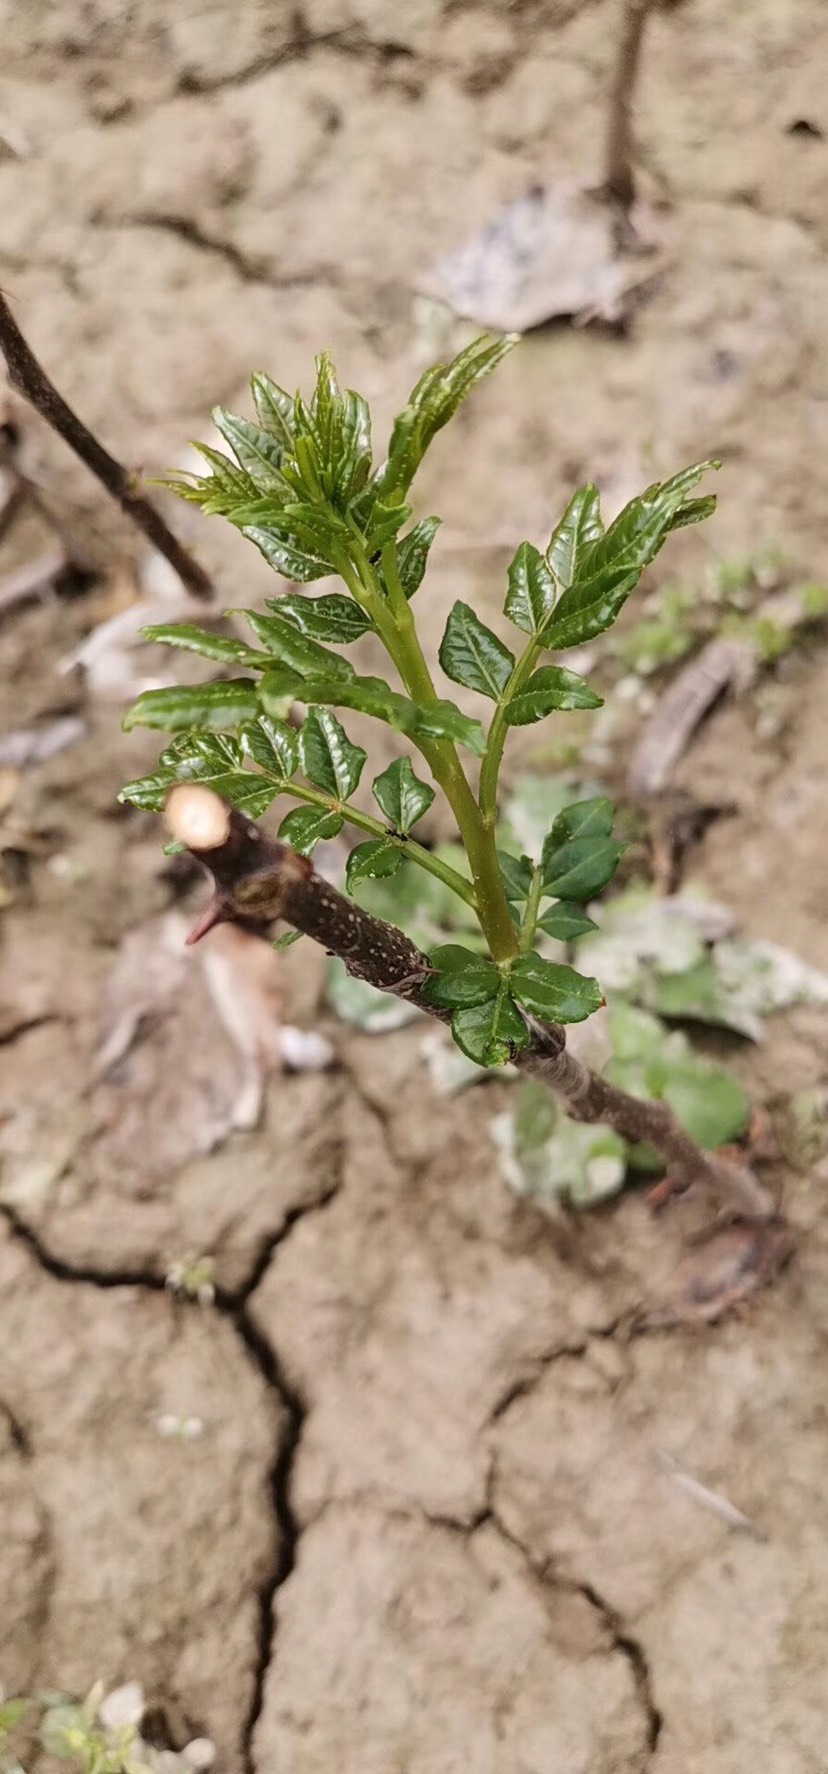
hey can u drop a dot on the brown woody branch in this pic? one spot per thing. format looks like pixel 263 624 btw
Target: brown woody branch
pixel 30 380
pixel 258 880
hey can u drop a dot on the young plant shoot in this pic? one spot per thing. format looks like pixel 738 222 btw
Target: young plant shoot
pixel 302 486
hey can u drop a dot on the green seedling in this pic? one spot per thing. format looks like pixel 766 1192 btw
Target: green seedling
pixel 300 482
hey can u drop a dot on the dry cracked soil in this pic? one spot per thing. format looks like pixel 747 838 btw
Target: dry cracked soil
pixel 413 1515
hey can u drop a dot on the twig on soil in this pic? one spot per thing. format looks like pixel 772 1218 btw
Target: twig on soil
pixel 726 660
pixel 32 579
pixel 619 182
pixel 30 380
pixel 11 493
pixel 260 879
pixel 26 746
pixel 712 1500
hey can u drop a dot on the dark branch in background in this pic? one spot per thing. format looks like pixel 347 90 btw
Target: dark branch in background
pixel 28 379
pixel 260 880
pixel 619 183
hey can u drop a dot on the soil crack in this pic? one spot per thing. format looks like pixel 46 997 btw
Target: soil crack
pixel 235 1300
pixel 70 1272
pixel 295 1407
pixel 247 268
pixel 629 1647
pixel 622 1640
pixel 575 1351
pixel 351 42
pixel 25 1027
pixel 264 1357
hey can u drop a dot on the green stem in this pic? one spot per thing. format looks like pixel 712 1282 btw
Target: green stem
pixel 401 639
pixel 498 732
pixel 365 822
pixel 526 934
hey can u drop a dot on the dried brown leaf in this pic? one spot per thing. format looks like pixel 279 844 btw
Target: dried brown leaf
pixel 553 252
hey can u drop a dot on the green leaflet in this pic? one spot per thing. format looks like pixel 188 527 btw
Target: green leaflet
pixel 340 436
pixel 274 409
pixel 248 791
pixel 329 759
pixel 212 759
pixel 378 858
pixel 307 523
pixel 584 819
pixel 557 994
pixel 590 606
pixel 639 530
pixel 614 564
pixel 552 686
pixel 413 552
pixel 579 868
pixel 284 642
pixel 373 696
pixel 695 510
pixel 149 792
pixel 462 978
pixel 566 923
pixel 216 760
pixel 299 564
pixel 332 618
pixel 258 452
pixel 517 874
pixel 383 524
pixel 444 720
pixel 579 528
pixel 530 599
pixel 402 797
pixel 305 827
pixel 200 640
pixel 272 744
pixel 432 402
pixel 470 654
pixel 194 705
pixel 579 856
pixel 490 1033
pixel 225 485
